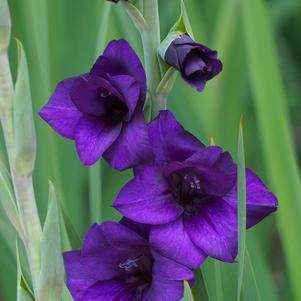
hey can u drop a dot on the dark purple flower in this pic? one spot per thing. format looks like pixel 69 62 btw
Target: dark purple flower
pixel 102 110
pixel 189 196
pixel 118 264
pixel 196 63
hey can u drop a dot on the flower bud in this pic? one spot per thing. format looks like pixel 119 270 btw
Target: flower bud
pixel 24 130
pixel 196 63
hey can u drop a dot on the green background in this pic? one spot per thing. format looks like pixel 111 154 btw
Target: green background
pixel 260 46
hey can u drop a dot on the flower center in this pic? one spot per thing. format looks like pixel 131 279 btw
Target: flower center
pixel 137 273
pixel 116 109
pixel 187 190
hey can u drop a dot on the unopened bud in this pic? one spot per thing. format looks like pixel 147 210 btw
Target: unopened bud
pixel 25 137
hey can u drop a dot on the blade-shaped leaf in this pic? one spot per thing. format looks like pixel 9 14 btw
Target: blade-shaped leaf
pixel 250 287
pixel 183 23
pixel 24 130
pixel 241 196
pixel 73 237
pixel 270 102
pixel 66 296
pixel 199 289
pixel 7 200
pixel 52 268
pixel 187 292
pixel 23 291
pixel 218 280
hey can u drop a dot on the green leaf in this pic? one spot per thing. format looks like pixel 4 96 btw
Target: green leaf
pixel 66 296
pixel 73 237
pixel 7 200
pixel 264 277
pixel 23 291
pixel 251 291
pixel 52 267
pixel 103 29
pixel 241 196
pixel 271 107
pixel 187 292
pixel 165 86
pixel 24 130
pixel 137 17
pixel 199 289
pixel 183 23
pixel 218 280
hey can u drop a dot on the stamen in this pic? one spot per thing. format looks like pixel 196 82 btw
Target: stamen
pixel 196 182
pixel 130 264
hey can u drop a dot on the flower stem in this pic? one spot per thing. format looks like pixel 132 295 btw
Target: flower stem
pixel 151 42
pixel 22 184
pixel 26 203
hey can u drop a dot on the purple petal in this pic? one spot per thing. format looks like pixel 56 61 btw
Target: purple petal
pixel 141 229
pixel 96 248
pixel 120 59
pixel 111 290
pixel 215 169
pixel 86 94
pixel 78 280
pixel 214 229
pixel 169 269
pixel 173 241
pixel 146 199
pixel 194 63
pixel 216 66
pixel 195 82
pixel 132 147
pixel 163 289
pixel 169 139
pixel 120 236
pixel 260 201
pixel 94 135
pixel 129 89
pixel 60 112
pixel 85 282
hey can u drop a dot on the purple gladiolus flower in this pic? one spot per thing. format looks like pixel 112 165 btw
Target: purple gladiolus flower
pixel 196 63
pixel 117 264
pixel 189 196
pixel 102 110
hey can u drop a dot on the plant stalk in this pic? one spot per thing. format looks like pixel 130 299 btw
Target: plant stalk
pixel 22 184
pixel 151 42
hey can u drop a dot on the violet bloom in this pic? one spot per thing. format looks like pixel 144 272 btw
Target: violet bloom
pixel 196 63
pixel 117 264
pixel 102 110
pixel 189 196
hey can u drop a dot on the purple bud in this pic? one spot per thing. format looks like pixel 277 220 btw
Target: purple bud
pixel 196 63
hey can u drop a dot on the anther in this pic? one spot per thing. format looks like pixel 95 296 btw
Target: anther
pixel 130 264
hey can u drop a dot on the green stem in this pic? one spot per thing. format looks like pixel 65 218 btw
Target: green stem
pixel 165 86
pixel 95 192
pixel 23 186
pixel 151 42
pixel 95 172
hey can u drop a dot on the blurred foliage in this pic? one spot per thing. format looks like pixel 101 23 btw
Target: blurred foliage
pixel 60 40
